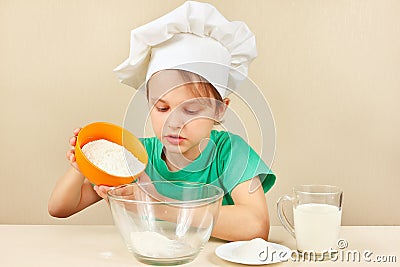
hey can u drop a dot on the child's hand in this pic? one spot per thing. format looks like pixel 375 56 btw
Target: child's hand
pixel 102 190
pixel 71 153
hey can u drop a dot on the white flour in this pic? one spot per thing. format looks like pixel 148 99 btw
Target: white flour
pixel 153 244
pixel 112 158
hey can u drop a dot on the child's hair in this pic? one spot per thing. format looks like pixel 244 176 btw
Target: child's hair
pixel 203 88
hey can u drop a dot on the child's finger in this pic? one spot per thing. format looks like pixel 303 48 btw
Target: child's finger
pixel 68 154
pixel 72 141
pixel 71 155
pixel 104 188
pixel 76 131
pixel 71 158
pixel 101 191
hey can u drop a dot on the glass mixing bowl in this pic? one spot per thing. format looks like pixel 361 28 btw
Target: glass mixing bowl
pixel 164 222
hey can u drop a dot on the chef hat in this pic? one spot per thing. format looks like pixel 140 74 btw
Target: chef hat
pixel 194 37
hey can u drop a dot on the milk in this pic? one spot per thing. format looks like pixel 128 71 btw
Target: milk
pixel 316 226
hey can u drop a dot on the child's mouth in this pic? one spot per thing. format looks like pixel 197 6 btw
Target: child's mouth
pixel 174 139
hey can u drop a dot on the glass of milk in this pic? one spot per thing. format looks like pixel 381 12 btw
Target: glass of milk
pixel 317 212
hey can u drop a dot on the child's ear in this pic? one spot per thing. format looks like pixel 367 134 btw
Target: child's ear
pixel 222 108
pixel 226 101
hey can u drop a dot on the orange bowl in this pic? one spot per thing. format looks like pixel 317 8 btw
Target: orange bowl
pixel 112 133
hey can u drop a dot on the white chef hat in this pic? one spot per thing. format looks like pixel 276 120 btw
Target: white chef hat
pixel 194 37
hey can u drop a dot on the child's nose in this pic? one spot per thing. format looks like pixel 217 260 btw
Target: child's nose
pixel 176 120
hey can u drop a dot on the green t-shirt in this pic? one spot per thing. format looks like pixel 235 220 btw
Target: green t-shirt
pixel 226 162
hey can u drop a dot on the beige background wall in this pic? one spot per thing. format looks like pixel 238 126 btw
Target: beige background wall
pixel 329 69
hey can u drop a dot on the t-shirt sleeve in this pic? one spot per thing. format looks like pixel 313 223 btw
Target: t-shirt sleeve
pixel 241 163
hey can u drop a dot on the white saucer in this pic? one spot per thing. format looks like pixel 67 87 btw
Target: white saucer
pixel 268 256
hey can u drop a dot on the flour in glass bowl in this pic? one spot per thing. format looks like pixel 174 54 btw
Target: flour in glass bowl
pixel 156 245
pixel 112 158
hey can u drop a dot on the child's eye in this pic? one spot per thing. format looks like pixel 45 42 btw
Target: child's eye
pixel 191 111
pixel 162 109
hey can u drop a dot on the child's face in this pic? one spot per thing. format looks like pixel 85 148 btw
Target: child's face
pixel 181 121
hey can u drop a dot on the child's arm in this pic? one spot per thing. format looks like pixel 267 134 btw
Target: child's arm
pixel 73 192
pixel 248 218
